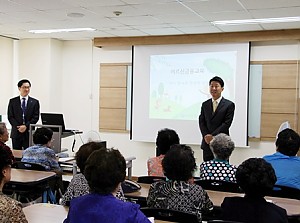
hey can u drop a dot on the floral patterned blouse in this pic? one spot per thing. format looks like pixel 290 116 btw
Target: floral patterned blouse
pixel 11 210
pixel 41 155
pixel 155 167
pixel 79 187
pixel 179 196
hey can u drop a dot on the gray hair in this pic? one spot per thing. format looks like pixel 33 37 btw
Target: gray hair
pixel 222 146
pixel 2 127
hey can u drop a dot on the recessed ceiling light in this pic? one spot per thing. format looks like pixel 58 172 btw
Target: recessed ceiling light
pixel 257 21
pixel 75 15
pixel 62 30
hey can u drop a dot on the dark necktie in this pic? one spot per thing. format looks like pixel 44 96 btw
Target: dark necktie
pixel 23 105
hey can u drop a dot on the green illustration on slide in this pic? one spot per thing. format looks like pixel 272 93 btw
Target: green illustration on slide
pixel 223 69
pixel 178 87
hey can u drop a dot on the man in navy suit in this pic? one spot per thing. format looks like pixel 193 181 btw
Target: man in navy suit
pixel 216 116
pixel 22 111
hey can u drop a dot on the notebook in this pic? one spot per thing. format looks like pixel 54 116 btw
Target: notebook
pixel 54 119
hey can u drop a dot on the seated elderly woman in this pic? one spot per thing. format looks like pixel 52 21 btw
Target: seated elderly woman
pixel 177 193
pixel 256 177
pixel 4 136
pixel 10 209
pixel 79 185
pixel 219 168
pixel 40 152
pixel 165 138
pixel 105 169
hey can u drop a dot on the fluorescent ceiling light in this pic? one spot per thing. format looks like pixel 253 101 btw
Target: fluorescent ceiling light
pixel 61 30
pixel 256 21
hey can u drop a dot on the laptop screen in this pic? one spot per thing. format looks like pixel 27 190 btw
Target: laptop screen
pixel 53 119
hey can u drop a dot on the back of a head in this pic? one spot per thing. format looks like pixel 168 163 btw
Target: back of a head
pixel 256 177
pixel 5 160
pixel 84 152
pixel 222 146
pixel 288 142
pixel 217 79
pixel 166 138
pixel 42 136
pixel 104 170
pixel 179 163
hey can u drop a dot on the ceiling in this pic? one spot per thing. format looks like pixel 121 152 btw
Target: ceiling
pixel 139 17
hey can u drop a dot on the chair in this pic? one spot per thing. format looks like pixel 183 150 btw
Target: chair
pixel 219 185
pixel 286 192
pixel 170 215
pixel 47 193
pixel 222 221
pixel 150 179
pixel 28 166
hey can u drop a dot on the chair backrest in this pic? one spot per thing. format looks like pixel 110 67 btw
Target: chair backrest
pixel 222 221
pixel 149 179
pixel 219 185
pixel 286 192
pixel 28 166
pixel 170 215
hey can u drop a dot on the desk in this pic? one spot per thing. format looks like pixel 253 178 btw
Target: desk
pixel 217 197
pixel 71 162
pixel 46 213
pixel 18 154
pixel 20 176
pixel 50 213
pixel 28 180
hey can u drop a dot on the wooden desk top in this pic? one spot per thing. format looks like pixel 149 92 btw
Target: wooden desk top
pixel 18 154
pixel 50 213
pixel 217 197
pixel 29 176
pixel 46 213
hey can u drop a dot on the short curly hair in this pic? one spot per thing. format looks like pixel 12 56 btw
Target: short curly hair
pixel 166 138
pixel 288 142
pixel 179 163
pixel 42 135
pixel 104 170
pixel 222 146
pixel 5 161
pixel 85 151
pixel 256 177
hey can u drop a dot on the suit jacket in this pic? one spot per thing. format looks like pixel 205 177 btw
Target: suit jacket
pixel 215 122
pixel 252 210
pixel 14 113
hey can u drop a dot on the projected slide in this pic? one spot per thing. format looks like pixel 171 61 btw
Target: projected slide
pixel 179 82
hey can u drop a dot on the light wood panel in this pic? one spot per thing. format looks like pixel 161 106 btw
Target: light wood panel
pixel 279 96
pixel 286 73
pixel 113 98
pixel 266 35
pixel 113 75
pixel 112 119
pixel 270 124
pixel 279 100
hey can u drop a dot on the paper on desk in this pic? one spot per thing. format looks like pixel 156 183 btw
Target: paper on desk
pixel 66 159
pixel 151 219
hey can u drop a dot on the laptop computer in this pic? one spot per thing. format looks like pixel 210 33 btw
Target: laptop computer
pixel 54 119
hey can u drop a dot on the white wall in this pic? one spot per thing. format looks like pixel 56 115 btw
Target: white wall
pixel 65 78
pixel 6 72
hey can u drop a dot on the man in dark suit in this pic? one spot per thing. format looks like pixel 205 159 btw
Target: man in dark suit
pixel 216 116
pixel 22 111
